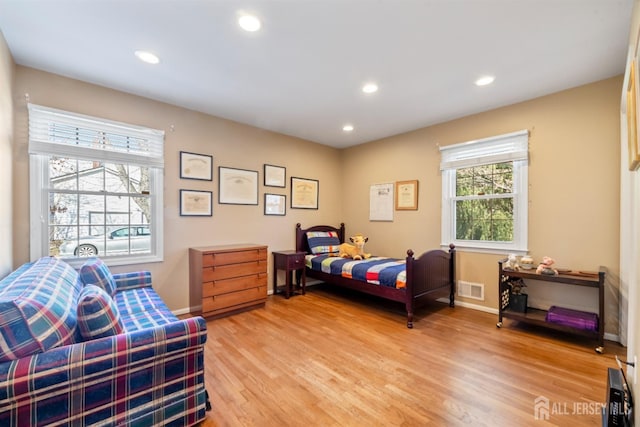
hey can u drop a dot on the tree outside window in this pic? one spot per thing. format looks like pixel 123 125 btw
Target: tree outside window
pixel 484 203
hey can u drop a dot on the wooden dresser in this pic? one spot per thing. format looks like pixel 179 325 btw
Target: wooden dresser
pixel 227 279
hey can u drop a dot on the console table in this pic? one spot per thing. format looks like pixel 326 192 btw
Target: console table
pixel 537 317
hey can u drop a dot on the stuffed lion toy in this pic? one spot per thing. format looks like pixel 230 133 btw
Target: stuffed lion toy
pixel 355 251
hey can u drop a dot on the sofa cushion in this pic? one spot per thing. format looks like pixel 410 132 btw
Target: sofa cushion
pixel 38 308
pixel 323 242
pixel 96 272
pixel 142 308
pixel 98 315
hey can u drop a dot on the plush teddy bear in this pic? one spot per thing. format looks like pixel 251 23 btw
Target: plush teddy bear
pixel 357 251
pixel 512 263
pixel 545 267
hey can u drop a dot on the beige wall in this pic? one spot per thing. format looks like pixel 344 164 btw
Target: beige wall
pixel 231 144
pixel 573 188
pixel 6 158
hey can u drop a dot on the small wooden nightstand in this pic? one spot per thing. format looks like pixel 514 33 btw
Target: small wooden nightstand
pixel 289 261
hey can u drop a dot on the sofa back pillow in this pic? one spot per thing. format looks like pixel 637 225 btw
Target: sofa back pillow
pixel 96 272
pixel 323 242
pixel 98 315
pixel 38 308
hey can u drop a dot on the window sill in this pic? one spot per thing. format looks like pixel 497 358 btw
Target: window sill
pixel 115 261
pixel 466 247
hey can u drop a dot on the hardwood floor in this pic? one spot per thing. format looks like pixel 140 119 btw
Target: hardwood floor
pixel 334 358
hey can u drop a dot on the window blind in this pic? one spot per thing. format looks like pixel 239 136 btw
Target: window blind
pixel 62 133
pixel 497 149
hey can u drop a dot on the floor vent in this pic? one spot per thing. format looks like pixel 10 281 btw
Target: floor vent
pixel 471 290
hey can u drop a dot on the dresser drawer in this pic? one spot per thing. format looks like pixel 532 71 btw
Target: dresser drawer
pixel 224 286
pixel 219 272
pixel 231 299
pixel 223 258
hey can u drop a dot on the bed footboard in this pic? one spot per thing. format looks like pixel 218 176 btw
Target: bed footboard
pixel 433 271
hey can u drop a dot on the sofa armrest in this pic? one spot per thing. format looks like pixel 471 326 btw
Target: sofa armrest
pixel 133 280
pixel 157 365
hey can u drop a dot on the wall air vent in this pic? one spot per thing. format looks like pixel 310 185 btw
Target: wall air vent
pixel 471 290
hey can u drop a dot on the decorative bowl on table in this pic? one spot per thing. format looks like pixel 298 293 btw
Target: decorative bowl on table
pixel 526 263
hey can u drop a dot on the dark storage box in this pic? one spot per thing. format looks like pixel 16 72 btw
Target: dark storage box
pixel 576 319
pixel 518 302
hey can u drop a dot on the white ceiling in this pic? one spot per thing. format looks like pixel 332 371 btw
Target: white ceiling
pixel 301 74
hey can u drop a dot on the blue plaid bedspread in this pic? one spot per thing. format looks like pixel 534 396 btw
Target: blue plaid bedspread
pixel 382 271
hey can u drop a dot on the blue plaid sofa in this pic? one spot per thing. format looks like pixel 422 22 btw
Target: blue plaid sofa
pixel 95 348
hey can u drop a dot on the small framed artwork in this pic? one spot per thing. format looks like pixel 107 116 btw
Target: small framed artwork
pixel 275 176
pixel 237 186
pixel 304 193
pixel 275 204
pixel 195 203
pixel 196 166
pixel 407 195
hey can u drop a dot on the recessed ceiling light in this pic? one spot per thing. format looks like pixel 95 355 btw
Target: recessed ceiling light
pixel 485 80
pixel 147 57
pixel 249 23
pixel 347 128
pixel 370 88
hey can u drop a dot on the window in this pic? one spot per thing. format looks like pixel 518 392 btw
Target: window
pixel 95 188
pixel 484 193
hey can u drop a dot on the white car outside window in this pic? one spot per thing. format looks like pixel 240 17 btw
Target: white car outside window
pixel 121 241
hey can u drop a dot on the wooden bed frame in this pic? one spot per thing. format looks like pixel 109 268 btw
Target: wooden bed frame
pixel 432 272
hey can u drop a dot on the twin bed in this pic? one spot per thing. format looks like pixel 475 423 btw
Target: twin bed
pixel 405 281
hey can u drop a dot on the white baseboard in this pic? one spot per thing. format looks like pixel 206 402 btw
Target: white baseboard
pixel 181 311
pixel 471 306
pixel 309 283
pixel 607 336
pixel 612 337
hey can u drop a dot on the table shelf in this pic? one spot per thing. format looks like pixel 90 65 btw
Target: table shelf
pixel 538 317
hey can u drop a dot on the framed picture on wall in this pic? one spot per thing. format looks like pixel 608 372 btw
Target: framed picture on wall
pixel 196 166
pixel 195 203
pixel 237 186
pixel 275 176
pixel 275 204
pixel 407 195
pixel 304 193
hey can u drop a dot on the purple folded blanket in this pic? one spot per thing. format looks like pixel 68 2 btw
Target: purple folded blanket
pixel 573 318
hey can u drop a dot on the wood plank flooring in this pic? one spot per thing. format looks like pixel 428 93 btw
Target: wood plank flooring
pixel 335 358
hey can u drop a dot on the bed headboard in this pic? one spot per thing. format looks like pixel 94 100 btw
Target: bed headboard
pixel 301 235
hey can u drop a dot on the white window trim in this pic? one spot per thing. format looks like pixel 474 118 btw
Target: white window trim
pixel 39 154
pixel 509 147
